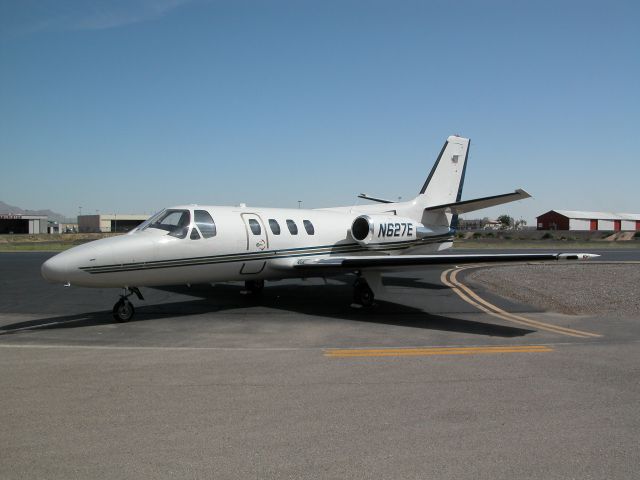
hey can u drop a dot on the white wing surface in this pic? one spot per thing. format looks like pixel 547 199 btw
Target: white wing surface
pixel 406 262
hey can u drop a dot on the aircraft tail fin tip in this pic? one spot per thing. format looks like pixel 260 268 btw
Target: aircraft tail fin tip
pixel 446 178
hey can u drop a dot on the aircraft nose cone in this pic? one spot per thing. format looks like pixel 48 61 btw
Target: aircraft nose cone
pixel 55 270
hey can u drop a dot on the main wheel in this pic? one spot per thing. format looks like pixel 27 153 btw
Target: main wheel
pixel 254 286
pixel 123 310
pixel 362 293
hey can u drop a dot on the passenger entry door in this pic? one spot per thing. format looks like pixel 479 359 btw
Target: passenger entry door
pixel 257 241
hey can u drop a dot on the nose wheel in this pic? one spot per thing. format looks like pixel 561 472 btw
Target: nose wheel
pixel 123 310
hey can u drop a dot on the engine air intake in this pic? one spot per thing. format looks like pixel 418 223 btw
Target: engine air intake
pixel 361 228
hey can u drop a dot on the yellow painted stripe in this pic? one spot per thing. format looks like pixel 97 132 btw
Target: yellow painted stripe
pixel 449 278
pixel 419 352
pixel 559 329
pixel 569 331
pixel 492 309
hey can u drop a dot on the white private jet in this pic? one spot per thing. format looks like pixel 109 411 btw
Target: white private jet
pixel 205 244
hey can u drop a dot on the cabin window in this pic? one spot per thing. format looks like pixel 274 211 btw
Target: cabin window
pixel 254 226
pixel 176 222
pixel 194 234
pixel 205 223
pixel 275 226
pixel 293 228
pixel 308 226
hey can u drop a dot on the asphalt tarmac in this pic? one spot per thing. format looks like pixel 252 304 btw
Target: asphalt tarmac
pixel 206 382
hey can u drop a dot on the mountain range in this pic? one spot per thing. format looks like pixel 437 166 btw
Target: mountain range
pixel 5 208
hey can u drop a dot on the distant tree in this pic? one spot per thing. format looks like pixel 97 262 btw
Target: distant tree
pixel 506 221
pixel 520 224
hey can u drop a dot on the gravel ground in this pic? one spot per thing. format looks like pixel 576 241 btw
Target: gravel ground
pixel 575 289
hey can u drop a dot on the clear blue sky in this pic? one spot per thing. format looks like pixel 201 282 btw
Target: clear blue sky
pixel 133 105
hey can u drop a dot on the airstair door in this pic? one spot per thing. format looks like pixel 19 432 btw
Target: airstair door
pixel 257 242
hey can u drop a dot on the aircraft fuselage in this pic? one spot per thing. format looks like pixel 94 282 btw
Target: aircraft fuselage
pixel 248 244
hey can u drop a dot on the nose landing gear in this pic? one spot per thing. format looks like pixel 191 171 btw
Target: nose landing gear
pixel 123 310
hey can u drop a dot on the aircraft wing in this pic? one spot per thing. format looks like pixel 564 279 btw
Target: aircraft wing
pixel 480 203
pixel 405 262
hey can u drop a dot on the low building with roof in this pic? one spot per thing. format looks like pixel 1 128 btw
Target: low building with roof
pixel 109 222
pixel 23 223
pixel 63 225
pixel 588 221
pixel 478 224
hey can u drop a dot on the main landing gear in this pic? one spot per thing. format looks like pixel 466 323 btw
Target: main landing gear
pixel 123 310
pixel 253 287
pixel 362 294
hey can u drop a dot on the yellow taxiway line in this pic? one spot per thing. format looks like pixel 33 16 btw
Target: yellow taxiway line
pixel 450 279
pixel 430 351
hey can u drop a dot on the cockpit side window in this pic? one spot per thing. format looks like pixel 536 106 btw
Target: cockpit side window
pixel 194 234
pixel 205 223
pixel 176 222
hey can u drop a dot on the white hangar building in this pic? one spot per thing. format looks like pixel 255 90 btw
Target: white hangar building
pixel 585 221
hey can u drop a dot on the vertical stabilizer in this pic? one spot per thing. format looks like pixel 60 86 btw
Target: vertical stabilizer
pixel 444 183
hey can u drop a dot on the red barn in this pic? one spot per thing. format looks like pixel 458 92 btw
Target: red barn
pixel 578 220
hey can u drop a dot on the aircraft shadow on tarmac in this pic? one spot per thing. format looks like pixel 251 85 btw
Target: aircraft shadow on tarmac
pixel 329 301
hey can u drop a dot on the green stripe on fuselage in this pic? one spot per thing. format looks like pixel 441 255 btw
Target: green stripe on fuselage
pixel 257 256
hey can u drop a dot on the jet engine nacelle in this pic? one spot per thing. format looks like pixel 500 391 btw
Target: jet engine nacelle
pixel 379 229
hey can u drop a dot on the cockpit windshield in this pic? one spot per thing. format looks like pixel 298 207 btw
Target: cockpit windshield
pixel 176 222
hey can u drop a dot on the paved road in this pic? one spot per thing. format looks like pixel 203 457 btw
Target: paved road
pixel 209 383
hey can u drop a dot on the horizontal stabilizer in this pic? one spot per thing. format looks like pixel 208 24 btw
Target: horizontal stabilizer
pixel 480 203
pixel 402 262
pixel 374 199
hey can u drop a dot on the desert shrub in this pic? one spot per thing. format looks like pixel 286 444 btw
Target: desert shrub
pixel 547 236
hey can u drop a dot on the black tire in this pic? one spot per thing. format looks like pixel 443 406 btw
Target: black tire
pixel 123 310
pixel 362 294
pixel 254 286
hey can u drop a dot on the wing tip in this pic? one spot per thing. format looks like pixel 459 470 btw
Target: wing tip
pixel 577 256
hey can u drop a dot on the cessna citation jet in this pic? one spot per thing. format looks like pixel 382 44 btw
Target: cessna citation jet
pixel 205 244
